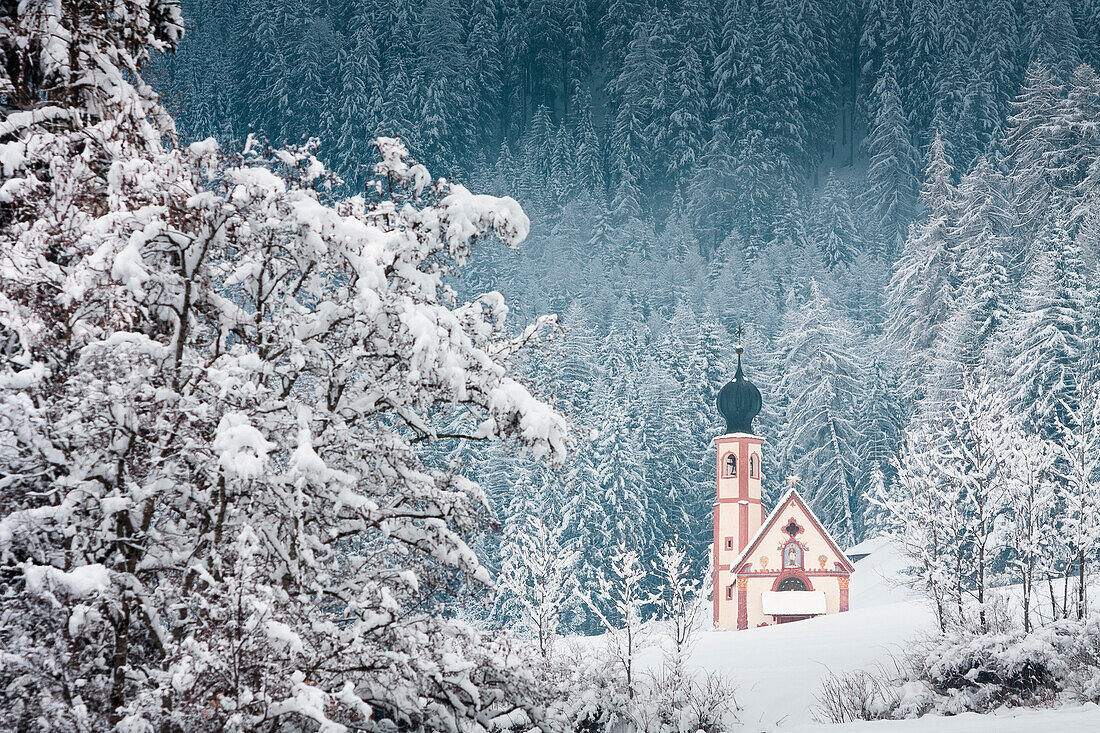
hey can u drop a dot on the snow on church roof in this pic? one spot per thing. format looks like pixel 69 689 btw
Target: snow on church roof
pixel 793 602
pixel 773 516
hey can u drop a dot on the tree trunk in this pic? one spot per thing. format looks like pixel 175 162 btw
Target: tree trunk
pixel 1081 592
pixel 1053 600
pixel 1028 579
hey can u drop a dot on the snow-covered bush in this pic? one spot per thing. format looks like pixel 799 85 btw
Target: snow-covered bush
pixel 982 672
pixel 667 698
pixel 858 695
pixel 1083 659
pixel 678 701
pixel 626 625
pixel 619 685
pixel 962 671
pixel 219 393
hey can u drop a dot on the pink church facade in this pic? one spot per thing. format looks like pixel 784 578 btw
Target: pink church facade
pixel 768 568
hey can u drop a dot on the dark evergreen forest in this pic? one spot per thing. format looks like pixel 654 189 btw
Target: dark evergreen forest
pixel 874 196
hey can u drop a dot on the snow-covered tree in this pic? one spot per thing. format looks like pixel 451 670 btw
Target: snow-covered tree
pixel 921 294
pixel 834 228
pixel 821 385
pixel 921 514
pixel 975 441
pixel 1045 336
pixel 1029 143
pixel 1032 500
pixel 679 604
pixel 538 576
pixel 221 420
pixel 621 602
pixel 1081 505
pixel 892 174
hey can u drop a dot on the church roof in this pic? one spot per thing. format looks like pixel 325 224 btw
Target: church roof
pixel 771 520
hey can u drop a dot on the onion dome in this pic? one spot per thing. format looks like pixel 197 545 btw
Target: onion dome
pixel 739 401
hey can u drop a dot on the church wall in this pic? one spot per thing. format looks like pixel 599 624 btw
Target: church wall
pixel 756 585
pixel 764 569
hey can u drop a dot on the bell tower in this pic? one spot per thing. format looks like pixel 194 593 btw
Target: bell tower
pixel 738 511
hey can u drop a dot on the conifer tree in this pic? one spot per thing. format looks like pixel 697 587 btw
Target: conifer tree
pixel 980 238
pixel 1029 143
pixel 739 95
pixel 1050 37
pixel 486 82
pixel 618 26
pixel 682 139
pixel 268 92
pixel 790 71
pixel 822 385
pixel 879 44
pixel 1045 336
pixel 397 114
pixel 880 423
pixel 590 168
pixel 1086 20
pixel 757 173
pixel 999 61
pixel 634 90
pixel 711 192
pixel 921 67
pixel 354 108
pixel 892 174
pixel 1078 144
pixel 921 293
pixel 834 227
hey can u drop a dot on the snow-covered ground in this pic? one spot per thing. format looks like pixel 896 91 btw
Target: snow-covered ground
pixel 1079 719
pixel 779 669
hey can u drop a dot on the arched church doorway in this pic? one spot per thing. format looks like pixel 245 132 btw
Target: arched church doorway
pixel 791 583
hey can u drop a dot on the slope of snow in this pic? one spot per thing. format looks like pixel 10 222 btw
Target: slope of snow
pixel 1078 719
pixel 778 670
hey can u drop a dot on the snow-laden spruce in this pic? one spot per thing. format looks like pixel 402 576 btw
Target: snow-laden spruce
pixel 219 390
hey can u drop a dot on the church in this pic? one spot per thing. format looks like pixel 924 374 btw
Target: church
pixel 768 568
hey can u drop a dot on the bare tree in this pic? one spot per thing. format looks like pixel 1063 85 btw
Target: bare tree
pixel 1029 460
pixel 620 603
pixel 679 604
pixel 538 577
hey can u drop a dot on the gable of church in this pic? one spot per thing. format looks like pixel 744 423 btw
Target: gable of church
pixel 792 539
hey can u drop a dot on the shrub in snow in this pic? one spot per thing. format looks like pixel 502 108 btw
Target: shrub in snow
pixel 537 579
pixel 1083 660
pixel 621 590
pixel 983 672
pixel 664 699
pixel 220 510
pixel 858 695
pixel 615 689
pixel 963 671
pixel 677 701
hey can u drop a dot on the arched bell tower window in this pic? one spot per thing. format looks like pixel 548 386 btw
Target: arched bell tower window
pixel 729 466
pixel 754 466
